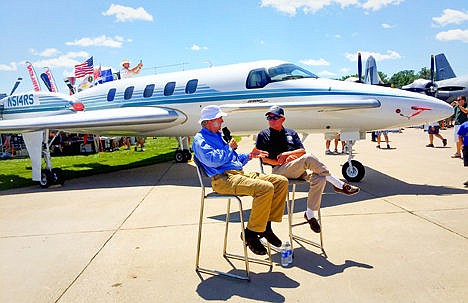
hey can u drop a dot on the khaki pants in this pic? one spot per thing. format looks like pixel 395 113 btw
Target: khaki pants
pixel 297 169
pixel 268 191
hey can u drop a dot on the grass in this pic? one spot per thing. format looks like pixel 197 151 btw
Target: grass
pixel 16 173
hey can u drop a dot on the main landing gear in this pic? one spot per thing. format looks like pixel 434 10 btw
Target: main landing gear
pixel 183 154
pixel 352 170
pixel 50 176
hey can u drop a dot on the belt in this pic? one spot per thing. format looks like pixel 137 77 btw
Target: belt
pixel 227 172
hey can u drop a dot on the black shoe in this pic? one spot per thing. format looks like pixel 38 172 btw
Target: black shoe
pixel 252 240
pixel 347 189
pixel 444 142
pixel 314 225
pixel 430 145
pixel 270 236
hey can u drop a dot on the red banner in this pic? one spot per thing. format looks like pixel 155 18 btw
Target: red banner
pixel 33 76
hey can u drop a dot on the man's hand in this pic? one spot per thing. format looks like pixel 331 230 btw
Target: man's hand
pixel 286 158
pixel 257 153
pixel 233 143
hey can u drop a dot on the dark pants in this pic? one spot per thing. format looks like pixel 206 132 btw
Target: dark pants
pixel 465 155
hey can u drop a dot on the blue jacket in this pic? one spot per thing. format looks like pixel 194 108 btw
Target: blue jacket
pixel 215 155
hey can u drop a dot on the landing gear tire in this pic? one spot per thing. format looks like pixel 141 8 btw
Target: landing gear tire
pixel 53 177
pixel 58 176
pixel 46 178
pixel 183 156
pixel 353 173
pixel 187 154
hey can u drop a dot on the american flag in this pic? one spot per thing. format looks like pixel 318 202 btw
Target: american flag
pixel 85 68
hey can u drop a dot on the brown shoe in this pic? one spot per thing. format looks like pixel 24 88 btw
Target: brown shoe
pixel 347 189
pixel 313 223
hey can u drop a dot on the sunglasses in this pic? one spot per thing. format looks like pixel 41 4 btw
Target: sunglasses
pixel 273 118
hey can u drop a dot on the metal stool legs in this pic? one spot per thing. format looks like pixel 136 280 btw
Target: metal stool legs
pixel 292 236
pixel 227 255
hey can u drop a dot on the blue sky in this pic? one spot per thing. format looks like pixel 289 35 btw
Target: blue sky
pixel 322 35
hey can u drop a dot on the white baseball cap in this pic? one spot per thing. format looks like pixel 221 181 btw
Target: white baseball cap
pixel 211 112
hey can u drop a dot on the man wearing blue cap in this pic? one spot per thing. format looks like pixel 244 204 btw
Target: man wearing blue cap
pixel 287 156
pixel 224 165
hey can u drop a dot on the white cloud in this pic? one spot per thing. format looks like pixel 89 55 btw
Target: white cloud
pixel 198 48
pixel 451 16
pixel 387 26
pixel 326 74
pixel 48 52
pixel 375 5
pixel 102 40
pixel 308 6
pixel 8 67
pixel 390 55
pixel 128 14
pixel 312 6
pixel 454 34
pixel 312 62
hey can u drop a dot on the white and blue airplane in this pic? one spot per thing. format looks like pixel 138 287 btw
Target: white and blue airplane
pixel 169 105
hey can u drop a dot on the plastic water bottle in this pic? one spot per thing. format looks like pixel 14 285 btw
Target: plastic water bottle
pixel 289 252
pixel 284 256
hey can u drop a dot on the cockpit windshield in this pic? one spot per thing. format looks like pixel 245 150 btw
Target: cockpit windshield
pixel 288 72
pixel 258 78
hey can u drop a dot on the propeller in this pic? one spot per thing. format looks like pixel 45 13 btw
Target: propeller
pixel 359 66
pixel 431 87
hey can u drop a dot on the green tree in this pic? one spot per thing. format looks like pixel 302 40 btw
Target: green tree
pixel 424 73
pixel 403 78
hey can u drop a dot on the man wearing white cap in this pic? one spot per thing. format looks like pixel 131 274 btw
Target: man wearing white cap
pixel 224 165
pixel 287 156
pixel 128 72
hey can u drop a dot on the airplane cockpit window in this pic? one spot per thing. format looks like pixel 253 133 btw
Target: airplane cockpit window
pixel 191 86
pixel 111 94
pixel 169 89
pixel 128 92
pixel 257 78
pixel 288 71
pixel 148 92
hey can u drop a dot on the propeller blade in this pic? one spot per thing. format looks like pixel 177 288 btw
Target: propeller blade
pixel 359 66
pixel 432 68
pixel 16 85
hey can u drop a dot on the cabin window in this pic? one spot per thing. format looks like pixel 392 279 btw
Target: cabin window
pixel 169 89
pixel 111 94
pixel 191 86
pixel 257 78
pixel 148 92
pixel 128 92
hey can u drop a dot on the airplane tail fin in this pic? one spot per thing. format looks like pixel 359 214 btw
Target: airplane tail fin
pixel 372 76
pixel 443 68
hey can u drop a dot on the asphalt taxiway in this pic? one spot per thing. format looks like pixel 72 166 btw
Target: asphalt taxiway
pixel 130 236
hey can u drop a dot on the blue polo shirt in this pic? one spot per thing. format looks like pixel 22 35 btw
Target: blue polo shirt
pixel 463 131
pixel 276 142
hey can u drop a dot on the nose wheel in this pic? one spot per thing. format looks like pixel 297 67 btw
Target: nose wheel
pixel 353 171
pixel 51 177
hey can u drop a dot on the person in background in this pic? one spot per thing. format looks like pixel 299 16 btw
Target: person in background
pixel 460 117
pixel 385 133
pixel 224 165
pixel 463 138
pixel 433 130
pixel 127 72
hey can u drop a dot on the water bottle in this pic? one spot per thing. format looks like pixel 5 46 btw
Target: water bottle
pixel 289 252
pixel 284 256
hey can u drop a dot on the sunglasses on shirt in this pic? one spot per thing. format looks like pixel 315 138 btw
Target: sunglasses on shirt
pixel 273 118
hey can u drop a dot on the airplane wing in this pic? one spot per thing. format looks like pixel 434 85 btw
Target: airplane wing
pixel 159 118
pixel 320 106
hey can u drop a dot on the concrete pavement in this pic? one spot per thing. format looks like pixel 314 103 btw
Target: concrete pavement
pixel 130 236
